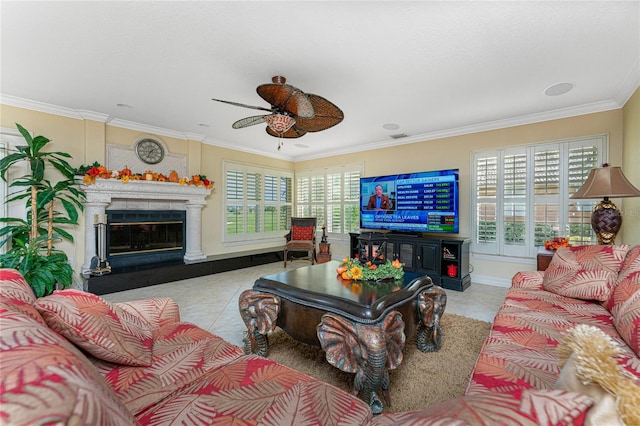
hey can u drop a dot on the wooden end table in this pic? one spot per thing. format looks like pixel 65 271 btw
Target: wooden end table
pixel 347 319
pixel 543 259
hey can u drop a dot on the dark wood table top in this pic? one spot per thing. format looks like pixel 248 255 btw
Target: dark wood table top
pixel 320 287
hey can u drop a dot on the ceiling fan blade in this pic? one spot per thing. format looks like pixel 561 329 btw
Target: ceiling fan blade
pixel 286 98
pixel 249 121
pixel 327 115
pixel 292 133
pixel 244 105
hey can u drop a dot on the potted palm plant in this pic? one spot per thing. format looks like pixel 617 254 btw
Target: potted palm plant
pixel 30 241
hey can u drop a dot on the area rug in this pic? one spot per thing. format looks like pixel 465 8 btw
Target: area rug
pixel 421 380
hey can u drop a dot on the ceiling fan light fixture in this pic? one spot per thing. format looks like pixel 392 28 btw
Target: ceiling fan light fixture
pixel 279 123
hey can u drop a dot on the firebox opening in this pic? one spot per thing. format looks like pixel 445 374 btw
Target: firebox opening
pixel 141 237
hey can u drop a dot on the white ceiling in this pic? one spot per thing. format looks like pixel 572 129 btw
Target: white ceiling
pixel 434 68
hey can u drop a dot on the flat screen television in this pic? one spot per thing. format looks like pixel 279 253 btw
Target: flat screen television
pixel 413 202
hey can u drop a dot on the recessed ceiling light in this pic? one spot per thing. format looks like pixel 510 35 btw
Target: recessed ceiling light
pixel 390 126
pixel 558 89
pixel 124 106
pixel 301 145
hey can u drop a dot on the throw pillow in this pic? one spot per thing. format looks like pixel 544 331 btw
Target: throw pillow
pixel 588 359
pixel 100 328
pixel 624 303
pixel 584 272
pixel 47 381
pixel 301 232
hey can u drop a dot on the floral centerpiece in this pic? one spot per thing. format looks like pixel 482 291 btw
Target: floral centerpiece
pixel 92 172
pixel 353 269
pixel 556 243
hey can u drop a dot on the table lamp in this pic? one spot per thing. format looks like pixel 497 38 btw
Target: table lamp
pixel 605 182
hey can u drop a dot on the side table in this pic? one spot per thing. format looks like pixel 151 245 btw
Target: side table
pixel 325 252
pixel 544 259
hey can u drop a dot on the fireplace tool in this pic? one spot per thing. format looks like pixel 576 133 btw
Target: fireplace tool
pixel 99 264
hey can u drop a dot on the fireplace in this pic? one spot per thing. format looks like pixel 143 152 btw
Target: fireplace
pixel 141 237
pixel 170 213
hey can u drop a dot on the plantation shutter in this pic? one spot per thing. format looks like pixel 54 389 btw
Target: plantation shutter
pixel 235 199
pixel 514 211
pixel 270 199
pixel 334 202
pixel 486 196
pixel 582 158
pixel 351 215
pixel 303 196
pixel 286 196
pixel 546 187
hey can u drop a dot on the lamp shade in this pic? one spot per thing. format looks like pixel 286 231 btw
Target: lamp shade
pixel 279 123
pixel 604 182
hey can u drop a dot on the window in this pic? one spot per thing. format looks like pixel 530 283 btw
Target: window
pixel 332 195
pixel 521 195
pixel 258 202
pixel 9 139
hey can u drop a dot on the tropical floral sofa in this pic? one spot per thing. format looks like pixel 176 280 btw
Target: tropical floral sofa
pixel 72 358
pixel 587 292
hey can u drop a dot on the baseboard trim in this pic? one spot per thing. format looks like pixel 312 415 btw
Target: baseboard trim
pixel 489 280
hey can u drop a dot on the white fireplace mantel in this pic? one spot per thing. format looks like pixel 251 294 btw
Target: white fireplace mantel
pixel 113 194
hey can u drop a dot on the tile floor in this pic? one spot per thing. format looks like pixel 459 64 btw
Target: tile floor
pixel 211 301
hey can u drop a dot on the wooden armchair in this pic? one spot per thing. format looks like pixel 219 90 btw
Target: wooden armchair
pixel 301 237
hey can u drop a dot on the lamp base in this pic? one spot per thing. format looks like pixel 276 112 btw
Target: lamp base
pixel 606 221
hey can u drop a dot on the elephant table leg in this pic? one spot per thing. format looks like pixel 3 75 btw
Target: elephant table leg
pixel 431 305
pixel 368 350
pixel 259 311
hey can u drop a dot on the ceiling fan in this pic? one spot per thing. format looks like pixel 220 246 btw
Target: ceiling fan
pixel 293 113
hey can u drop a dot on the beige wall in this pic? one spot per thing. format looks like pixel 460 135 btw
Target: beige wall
pixel 630 207
pixel 455 152
pixel 85 141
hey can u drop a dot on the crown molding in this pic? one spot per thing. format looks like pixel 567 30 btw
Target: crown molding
pixel 478 128
pixel 224 144
pixel 15 101
pixel 146 128
pixel 94 116
pixel 630 84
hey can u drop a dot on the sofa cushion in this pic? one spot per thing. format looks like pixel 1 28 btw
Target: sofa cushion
pixel 254 390
pixel 585 272
pixel 46 380
pixel 526 408
pixel 182 353
pixel 590 366
pixel 103 329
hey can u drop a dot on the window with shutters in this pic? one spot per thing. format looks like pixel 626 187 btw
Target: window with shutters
pixel 258 202
pixel 521 195
pixel 332 195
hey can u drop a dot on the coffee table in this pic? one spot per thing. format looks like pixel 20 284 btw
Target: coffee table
pixel 362 327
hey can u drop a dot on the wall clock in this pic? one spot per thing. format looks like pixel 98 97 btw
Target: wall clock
pixel 150 151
